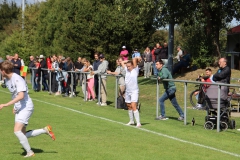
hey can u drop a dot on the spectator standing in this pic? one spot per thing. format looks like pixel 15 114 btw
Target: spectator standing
pixel 90 81
pixel 78 65
pixel 30 66
pixel 154 62
pixel 157 52
pixel 23 107
pixel 17 64
pixel 55 84
pixel 136 53
pixel 132 90
pixel 1 60
pixel 96 64
pixel 223 74
pixel 69 67
pixel 102 69
pixel 124 53
pixel 147 57
pixel 8 57
pixel 170 90
pixel 120 71
pixel 164 54
pixel 43 65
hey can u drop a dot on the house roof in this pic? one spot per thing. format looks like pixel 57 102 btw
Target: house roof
pixel 234 30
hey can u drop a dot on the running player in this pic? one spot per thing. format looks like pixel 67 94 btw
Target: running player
pixel 23 107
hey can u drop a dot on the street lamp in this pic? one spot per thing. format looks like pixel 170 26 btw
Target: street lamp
pixel 23 8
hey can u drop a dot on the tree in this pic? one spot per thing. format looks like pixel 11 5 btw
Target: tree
pixel 209 15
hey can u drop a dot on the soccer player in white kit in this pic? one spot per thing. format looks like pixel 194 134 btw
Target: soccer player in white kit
pixel 23 107
pixel 132 90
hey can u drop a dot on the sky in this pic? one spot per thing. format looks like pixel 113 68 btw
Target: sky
pixel 19 2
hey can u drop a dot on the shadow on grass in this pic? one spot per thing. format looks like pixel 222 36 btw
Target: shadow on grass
pixel 146 81
pixel 36 150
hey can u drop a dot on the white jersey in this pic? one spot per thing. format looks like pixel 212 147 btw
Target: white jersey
pixel 131 80
pixel 179 55
pixel 15 85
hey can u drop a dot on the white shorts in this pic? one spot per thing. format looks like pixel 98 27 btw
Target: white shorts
pixel 131 97
pixel 23 116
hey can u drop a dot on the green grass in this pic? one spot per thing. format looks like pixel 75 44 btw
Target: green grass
pixel 92 132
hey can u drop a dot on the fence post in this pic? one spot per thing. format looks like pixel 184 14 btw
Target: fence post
pixel 85 86
pixel 116 91
pixel 32 78
pixel 99 88
pixel 41 81
pixel 71 84
pixel 157 99
pixel 50 82
pixel 185 103
pixel 218 109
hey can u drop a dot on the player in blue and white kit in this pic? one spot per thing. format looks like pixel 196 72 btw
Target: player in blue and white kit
pixel 23 107
pixel 132 90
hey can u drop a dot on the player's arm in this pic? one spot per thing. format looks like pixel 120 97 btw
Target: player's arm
pixel 135 61
pixel 124 63
pixel 19 97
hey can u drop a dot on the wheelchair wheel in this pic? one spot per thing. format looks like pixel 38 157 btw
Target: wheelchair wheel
pixel 209 125
pixel 193 99
pixel 223 126
pixel 232 124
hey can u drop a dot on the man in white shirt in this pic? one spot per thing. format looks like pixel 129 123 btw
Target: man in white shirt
pixel 23 107
pixel 179 54
pixel 132 90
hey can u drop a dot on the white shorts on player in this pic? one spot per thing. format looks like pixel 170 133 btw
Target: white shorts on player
pixel 23 116
pixel 131 97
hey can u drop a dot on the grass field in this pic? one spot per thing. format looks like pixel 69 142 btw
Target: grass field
pixel 86 131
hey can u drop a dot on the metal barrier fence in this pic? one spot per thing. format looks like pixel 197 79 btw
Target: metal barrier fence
pixel 84 80
pixel 185 97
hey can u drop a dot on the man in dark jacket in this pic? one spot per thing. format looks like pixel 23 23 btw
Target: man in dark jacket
pixel 32 65
pixel 96 63
pixel 223 74
pixel 164 54
pixel 157 52
pixel 17 64
pixel 43 65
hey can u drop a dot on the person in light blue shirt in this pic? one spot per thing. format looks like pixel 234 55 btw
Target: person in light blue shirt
pixel 136 53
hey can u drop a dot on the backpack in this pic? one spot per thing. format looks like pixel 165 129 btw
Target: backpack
pixel 121 103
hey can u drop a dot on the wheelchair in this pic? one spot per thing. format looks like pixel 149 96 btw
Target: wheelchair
pixel 211 100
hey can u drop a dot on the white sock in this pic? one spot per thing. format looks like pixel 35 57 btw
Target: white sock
pixel 35 132
pixel 137 117
pixel 23 140
pixel 130 114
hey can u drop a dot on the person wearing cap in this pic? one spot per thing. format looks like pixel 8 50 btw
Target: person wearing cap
pixel 124 53
pixel 102 69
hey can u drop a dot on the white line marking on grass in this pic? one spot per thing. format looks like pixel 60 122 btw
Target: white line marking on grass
pixel 146 130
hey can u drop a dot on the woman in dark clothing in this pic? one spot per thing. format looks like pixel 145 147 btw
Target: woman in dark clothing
pixel 69 67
